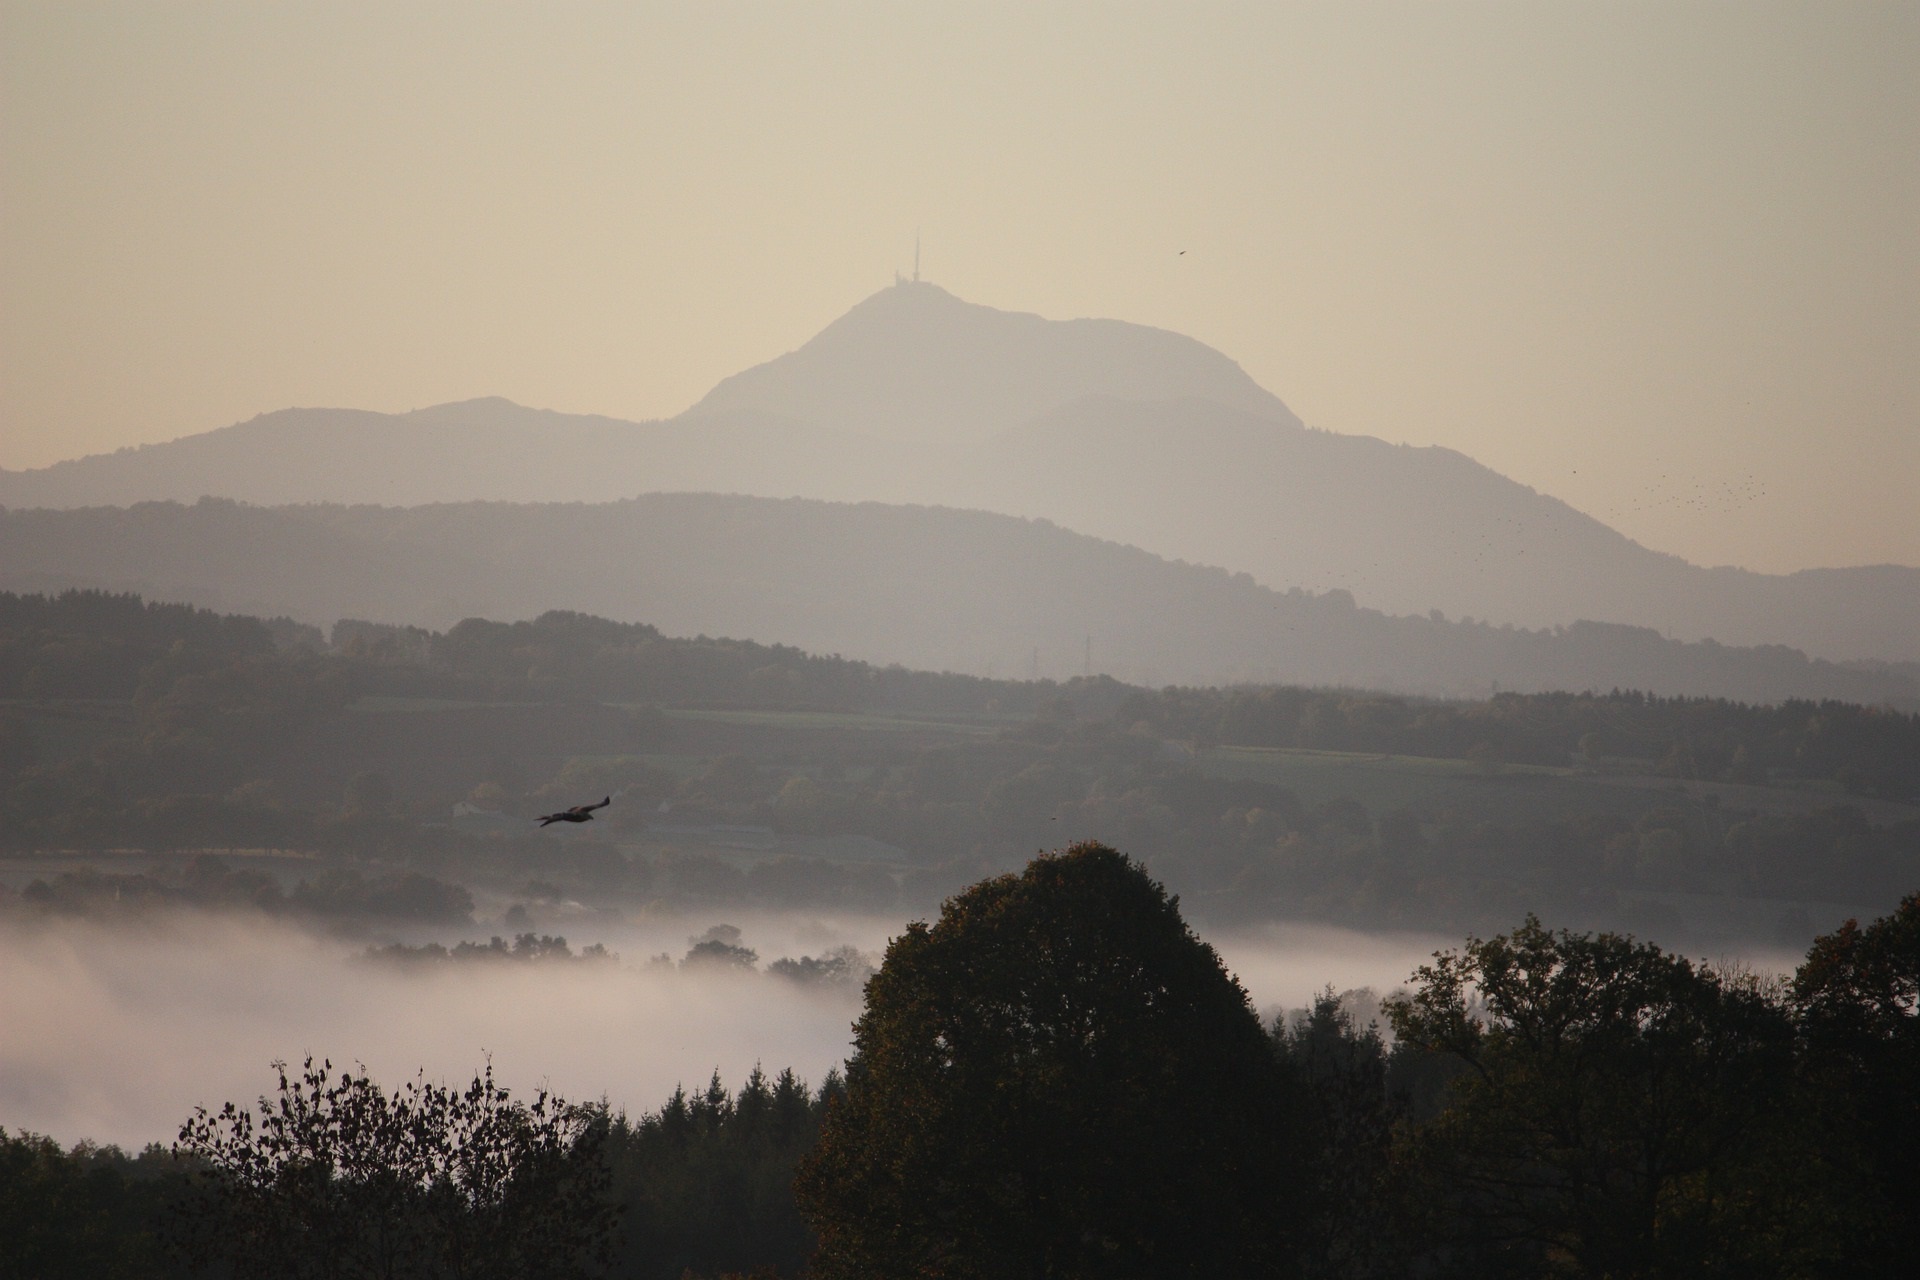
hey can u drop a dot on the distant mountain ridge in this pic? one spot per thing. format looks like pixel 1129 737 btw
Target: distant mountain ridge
pixel 918 365
pixel 929 587
pixel 1117 430
pixel 488 449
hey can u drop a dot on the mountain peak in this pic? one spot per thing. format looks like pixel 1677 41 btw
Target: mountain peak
pixel 478 405
pixel 914 363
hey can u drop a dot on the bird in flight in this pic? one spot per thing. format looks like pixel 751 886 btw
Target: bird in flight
pixel 579 813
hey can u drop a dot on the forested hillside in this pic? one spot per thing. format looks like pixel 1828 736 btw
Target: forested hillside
pixel 411 764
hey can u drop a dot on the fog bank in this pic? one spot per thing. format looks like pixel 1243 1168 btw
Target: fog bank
pixel 115 1035
pixel 116 1032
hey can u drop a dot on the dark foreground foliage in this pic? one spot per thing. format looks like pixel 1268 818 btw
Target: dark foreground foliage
pixel 1580 1105
pixel 1622 1112
pixel 1857 997
pixel 85 1213
pixel 1056 1078
pixel 340 1178
pixel 705 1184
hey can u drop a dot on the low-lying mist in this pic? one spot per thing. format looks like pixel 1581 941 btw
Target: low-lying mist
pixel 114 1033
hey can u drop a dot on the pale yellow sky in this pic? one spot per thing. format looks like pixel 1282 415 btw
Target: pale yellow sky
pixel 1661 260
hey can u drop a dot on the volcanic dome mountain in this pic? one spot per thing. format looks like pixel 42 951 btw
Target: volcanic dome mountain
pixel 915 365
pixel 1117 430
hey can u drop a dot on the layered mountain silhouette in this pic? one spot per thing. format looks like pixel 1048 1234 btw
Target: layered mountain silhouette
pixel 1116 430
pixel 929 587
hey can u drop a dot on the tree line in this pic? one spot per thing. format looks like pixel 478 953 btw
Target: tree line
pixel 1868 750
pixel 94 645
pixel 226 733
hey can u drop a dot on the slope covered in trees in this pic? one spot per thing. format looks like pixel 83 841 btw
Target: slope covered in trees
pixel 407 766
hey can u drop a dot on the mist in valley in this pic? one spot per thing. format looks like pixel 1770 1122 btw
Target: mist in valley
pixel 115 1032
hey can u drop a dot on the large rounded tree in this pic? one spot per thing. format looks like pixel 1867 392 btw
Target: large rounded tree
pixel 1056 1079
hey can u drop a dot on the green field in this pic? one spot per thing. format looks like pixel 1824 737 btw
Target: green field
pixel 848 720
pixel 387 704
pixel 1427 785
pixel 1510 792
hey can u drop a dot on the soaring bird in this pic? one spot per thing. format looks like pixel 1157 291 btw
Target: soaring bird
pixel 579 813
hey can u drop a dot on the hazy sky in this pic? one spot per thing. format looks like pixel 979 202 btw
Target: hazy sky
pixel 1661 260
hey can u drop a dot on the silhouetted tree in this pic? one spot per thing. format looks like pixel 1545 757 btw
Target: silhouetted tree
pixel 84 1213
pixel 707 1180
pixel 341 1179
pixel 1622 1112
pixel 1057 1079
pixel 1858 996
pixel 1356 1229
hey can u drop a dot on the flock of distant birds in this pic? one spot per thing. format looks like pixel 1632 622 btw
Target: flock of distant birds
pixel 1705 496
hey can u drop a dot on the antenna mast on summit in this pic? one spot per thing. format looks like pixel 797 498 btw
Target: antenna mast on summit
pixel 916 255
